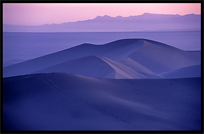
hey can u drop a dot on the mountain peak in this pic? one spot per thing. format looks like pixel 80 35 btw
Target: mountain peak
pixel 102 17
pixel 147 13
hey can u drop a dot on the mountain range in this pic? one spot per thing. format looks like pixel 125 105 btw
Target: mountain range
pixel 144 22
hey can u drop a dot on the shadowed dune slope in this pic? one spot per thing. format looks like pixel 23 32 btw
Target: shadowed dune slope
pixel 60 101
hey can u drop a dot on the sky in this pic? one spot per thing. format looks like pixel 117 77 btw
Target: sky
pixel 57 13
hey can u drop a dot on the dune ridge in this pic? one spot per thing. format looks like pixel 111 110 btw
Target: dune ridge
pixel 134 58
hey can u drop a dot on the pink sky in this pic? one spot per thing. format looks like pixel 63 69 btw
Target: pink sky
pixel 45 13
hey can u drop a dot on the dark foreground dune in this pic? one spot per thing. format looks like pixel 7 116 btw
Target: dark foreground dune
pixel 60 101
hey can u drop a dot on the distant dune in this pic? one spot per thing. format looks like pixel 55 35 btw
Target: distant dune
pixel 60 101
pixel 126 58
pixel 190 71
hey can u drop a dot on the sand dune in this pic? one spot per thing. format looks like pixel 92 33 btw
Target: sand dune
pixel 139 57
pixel 159 57
pixel 64 56
pixel 97 67
pixel 190 71
pixel 129 84
pixel 59 101
pixel 90 66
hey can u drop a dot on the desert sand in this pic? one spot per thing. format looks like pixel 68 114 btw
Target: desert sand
pixel 128 84
pixel 60 101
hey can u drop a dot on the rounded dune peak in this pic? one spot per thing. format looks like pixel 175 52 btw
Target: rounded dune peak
pixel 124 42
pixel 86 44
pixel 133 40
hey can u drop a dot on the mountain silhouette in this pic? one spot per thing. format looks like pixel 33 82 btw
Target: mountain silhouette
pixel 144 22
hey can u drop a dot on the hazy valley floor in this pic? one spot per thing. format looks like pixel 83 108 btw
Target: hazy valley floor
pixel 62 101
